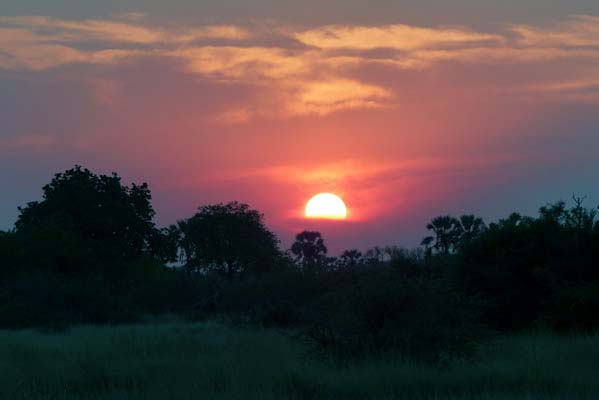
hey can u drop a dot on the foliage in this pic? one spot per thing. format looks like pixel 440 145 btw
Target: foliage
pixel 575 308
pixel 350 259
pixel 520 265
pixel 230 239
pixel 86 221
pixel 10 253
pixel 451 234
pixel 309 250
pixel 379 311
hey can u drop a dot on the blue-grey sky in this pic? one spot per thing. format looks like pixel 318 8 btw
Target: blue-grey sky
pixel 424 12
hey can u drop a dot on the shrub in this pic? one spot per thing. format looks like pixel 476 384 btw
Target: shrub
pixel 576 308
pixel 383 311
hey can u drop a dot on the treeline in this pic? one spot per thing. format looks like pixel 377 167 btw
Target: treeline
pixel 89 252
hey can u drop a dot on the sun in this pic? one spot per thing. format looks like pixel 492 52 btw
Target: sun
pixel 326 206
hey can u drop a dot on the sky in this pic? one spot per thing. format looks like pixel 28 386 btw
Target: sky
pixel 407 110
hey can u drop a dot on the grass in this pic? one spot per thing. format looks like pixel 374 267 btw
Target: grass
pixel 213 361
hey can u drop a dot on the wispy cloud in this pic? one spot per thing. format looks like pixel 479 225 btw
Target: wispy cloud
pixel 120 32
pixel 245 63
pixel 578 31
pixel 27 141
pixel 328 96
pixel 401 37
pixel 312 71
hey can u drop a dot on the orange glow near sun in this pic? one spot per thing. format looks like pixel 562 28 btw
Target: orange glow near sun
pixel 326 206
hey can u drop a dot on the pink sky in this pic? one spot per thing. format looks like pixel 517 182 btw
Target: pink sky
pixel 404 121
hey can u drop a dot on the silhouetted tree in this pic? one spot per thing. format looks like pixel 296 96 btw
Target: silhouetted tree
pixel 408 263
pixel 350 259
pixel 163 244
pixel 229 239
pixel 446 230
pixel 309 250
pixel 525 267
pixel 470 227
pixel 10 253
pixel 375 255
pixel 86 219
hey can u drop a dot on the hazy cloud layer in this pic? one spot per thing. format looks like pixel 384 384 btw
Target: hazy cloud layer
pixel 312 68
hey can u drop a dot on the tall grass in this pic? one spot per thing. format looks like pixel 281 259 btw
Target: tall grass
pixel 213 361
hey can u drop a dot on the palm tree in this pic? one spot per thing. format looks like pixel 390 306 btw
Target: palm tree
pixel 470 226
pixel 447 231
pixel 309 250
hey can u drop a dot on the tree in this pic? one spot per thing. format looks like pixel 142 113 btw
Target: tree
pixel 229 239
pixel 409 263
pixel 10 253
pixel 350 259
pixel 163 244
pixel 309 250
pixel 533 268
pixel 447 231
pixel 375 255
pixel 470 227
pixel 86 219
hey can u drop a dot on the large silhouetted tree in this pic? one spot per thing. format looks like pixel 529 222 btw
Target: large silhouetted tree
pixel 228 238
pixel 309 250
pixel 86 219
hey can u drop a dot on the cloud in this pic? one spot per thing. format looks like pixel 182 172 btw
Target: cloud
pixel 333 95
pixel 122 32
pixel 579 31
pixel 244 63
pixel 133 16
pixel 234 116
pixel 489 55
pixel 306 71
pixel 27 141
pixel 24 49
pixel 401 37
pixel 294 73
pixel 576 90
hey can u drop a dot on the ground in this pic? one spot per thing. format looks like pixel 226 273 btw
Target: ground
pixel 175 360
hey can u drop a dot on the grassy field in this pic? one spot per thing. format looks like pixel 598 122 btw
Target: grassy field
pixel 213 361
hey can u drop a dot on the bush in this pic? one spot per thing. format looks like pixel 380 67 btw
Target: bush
pixel 576 308
pixel 382 311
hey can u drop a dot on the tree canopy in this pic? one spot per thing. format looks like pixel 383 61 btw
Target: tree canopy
pixel 230 239
pixel 309 250
pixel 85 219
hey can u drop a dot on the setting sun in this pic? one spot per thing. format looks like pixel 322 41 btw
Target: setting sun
pixel 326 206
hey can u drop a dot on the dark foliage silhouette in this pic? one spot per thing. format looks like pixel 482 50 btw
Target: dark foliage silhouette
pixel 350 259
pixel 309 250
pixel 522 265
pixel 75 254
pixel 447 231
pixel 230 239
pixel 87 220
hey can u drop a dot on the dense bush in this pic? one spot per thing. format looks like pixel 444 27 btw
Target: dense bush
pixel 575 308
pixel 381 311
pixel 523 266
